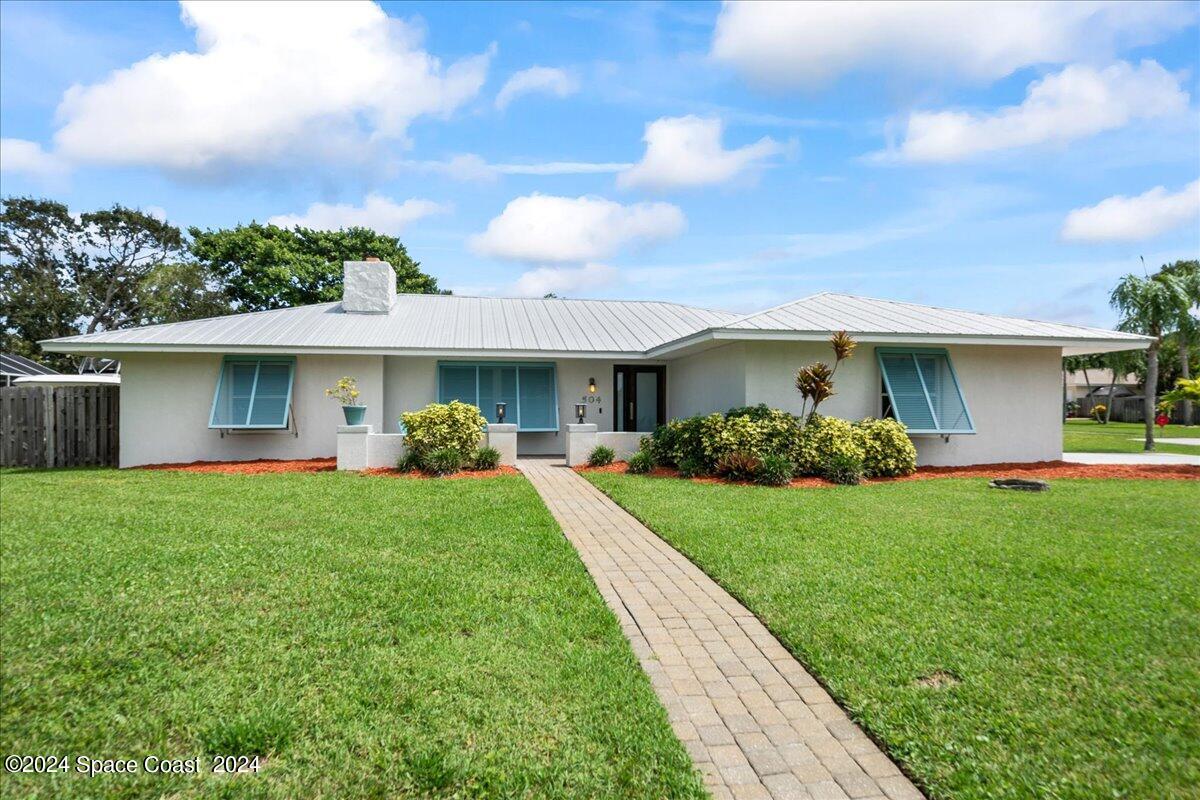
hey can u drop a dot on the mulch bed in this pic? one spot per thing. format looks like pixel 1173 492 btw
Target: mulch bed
pixel 266 466
pixel 1034 469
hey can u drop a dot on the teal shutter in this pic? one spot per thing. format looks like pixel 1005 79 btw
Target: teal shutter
pixel 252 393
pixel 530 390
pixel 924 390
pixel 458 382
pixel 538 399
pixel 498 385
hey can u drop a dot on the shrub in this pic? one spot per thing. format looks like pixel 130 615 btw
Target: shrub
pixel 738 466
pixel 408 462
pixel 442 461
pixel 485 458
pixel 757 413
pixel 887 450
pixel 692 468
pixel 774 470
pixel 601 456
pixel 842 467
pixel 1098 412
pixel 822 438
pixel 641 462
pixel 725 437
pixel 453 425
pixel 678 440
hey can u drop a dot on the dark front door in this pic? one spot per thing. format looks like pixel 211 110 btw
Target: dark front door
pixel 641 397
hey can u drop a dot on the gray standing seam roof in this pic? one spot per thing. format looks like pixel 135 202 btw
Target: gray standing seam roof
pixel 439 323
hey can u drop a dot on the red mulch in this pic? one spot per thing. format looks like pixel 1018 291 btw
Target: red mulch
pixel 1034 469
pixel 265 465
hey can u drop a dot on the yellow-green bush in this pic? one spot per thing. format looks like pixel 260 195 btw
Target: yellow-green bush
pixel 822 438
pixel 440 425
pixel 723 437
pixel 887 450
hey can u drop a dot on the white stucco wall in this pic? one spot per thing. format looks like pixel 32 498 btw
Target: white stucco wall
pixel 1014 395
pixel 713 380
pixel 166 400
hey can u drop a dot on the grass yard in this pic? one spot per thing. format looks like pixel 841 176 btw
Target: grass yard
pixel 1086 436
pixel 1061 630
pixel 374 637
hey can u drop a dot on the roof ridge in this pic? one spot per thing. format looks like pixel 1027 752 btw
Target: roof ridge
pixel 565 300
pixel 753 314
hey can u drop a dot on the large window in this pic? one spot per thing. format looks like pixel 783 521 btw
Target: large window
pixel 529 391
pixel 922 391
pixel 253 392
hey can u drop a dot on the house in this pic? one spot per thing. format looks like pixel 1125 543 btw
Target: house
pixel 972 388
pixel 1096 382
pixel 14 367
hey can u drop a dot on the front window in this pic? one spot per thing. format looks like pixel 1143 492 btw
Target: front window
pixel 253 392
pixel 529 391
pixel 922 391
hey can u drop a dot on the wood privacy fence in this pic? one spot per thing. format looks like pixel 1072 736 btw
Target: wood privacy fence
pixel 59 426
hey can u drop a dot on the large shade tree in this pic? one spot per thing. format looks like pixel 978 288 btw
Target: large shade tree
pixel 263 267
pixel 1150 306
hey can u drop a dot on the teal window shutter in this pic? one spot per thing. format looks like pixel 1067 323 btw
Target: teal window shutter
pixel 537 402
pixel 498 385
pixel 253 392
pixel 529 390
pixel 458 382
pixel 924 391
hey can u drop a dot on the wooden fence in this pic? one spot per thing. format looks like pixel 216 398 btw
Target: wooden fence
pixel 59 426
pixel 1131 409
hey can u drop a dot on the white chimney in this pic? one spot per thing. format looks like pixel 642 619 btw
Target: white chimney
pixel 368 287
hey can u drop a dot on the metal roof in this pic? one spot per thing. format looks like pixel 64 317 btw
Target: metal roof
pixel 13 364
pixel 421 323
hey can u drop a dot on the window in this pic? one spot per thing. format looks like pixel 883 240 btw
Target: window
pixel 253 392
pixel 530 391
pixel 922 391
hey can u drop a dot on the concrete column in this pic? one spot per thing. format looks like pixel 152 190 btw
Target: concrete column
pixel 352 446
pixel 384 449
pixel 581 440
pixel 503 437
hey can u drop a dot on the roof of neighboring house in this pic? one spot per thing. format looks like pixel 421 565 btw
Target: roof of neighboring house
pixel 455 324
pixel 1100 377
pixel 13 364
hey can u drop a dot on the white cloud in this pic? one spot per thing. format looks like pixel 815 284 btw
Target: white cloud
pixel 28 158
pixel 564 280
pixel 377 212
pixel 471 167
pixel 686 151
pixel 810 44
pixel 268 81
pixel 543 229
pixel 1080 101
pixel 1130 219
pixel 158 212
pixel 540 80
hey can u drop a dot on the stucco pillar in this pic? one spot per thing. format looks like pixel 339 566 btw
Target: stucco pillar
pixel 503 437
pixel 581 440
pixel 352 446
pixel 384 449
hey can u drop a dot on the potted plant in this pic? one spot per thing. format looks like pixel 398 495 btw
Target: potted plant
pixel 345 391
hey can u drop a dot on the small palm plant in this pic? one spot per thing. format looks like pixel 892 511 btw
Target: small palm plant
pixel 815 382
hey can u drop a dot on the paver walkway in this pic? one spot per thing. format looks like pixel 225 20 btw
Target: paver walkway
pixel 756 724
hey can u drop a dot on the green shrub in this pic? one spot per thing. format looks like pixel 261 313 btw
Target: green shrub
pixel 887 450
pixel 678 440
pixel 823 438
pixel 692 468
pixel 756 413
pixel 774 470
pixel 455 425
pixel 409 462
pixel 641 462
pixel 601 456
pixel 738 466
pixel 724 437
pixel 842 467
pixel 442 461
pixel 485 458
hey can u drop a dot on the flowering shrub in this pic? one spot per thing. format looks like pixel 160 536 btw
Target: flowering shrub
pixel 822 438
pixel 345 391
pixel 887 450
pixel 439 425
pixel 723 437
pixel 1098 412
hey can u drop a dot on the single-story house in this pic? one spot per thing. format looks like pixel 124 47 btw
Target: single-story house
pixel 972 388
pixel 1095 382
pixel 14 367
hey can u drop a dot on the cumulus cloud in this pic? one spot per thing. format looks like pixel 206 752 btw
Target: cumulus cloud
pixel 563 280
pixel 267 81
pixel 21 156
pixel 544 229
pixel 536 80
pixel 1077 102
pixel 377 212
pixel 811 44
pixel 472 167
pixel 683 152
pixel 1130 219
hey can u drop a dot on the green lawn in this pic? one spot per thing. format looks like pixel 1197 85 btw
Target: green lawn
pixel 375 637
pixel 1086 436
pixel 1071 619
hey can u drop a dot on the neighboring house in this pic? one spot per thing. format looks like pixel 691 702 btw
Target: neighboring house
pixel 14 367
pixel 1096 382
pixel 972 388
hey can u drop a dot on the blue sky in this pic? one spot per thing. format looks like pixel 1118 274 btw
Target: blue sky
pixel 1014 159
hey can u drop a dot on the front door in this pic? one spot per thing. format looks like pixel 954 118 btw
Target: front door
pixel 641 397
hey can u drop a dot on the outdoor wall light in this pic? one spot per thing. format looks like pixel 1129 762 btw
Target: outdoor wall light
pixel 580 411
pixel 501 408
pixel 591 385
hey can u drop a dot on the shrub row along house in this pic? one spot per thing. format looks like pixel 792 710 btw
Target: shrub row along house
pixel 971 388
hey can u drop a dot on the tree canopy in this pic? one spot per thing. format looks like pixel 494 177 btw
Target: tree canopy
pixel 264 267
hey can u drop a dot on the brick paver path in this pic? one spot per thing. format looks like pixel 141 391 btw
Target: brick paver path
pixel 754 721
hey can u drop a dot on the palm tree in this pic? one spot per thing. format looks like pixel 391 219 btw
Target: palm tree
pixel 1119 364
pixel 1187 326
pixel 1149 306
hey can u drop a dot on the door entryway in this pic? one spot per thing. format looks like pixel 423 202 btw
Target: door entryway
pixel 641 397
